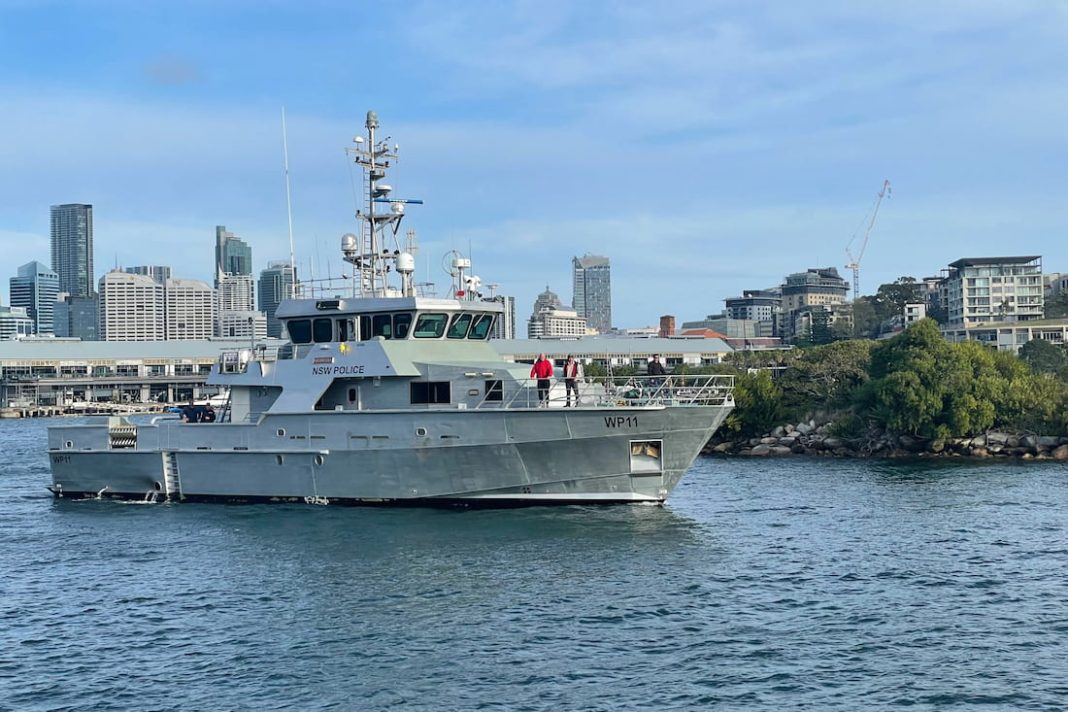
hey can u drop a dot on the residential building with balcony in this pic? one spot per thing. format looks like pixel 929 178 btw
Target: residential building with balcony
pixel 985 290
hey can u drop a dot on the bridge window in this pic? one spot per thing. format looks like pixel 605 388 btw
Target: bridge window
pixel 481 328
pixel 495 390
pixel 458 328
pixel 346 330
pixel 365 327
pixel 402 324
pixel 430 392
pixel 430 326
pixel 382 325
pixel 299 331
pixel 323 330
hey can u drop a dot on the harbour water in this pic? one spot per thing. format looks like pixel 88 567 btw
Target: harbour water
pixel 764 584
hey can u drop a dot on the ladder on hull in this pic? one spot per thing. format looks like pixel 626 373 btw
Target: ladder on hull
pixel 172 481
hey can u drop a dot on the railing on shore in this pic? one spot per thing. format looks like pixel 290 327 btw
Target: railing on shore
pixel 617 392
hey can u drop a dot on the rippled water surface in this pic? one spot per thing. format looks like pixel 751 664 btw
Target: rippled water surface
pixel 765 584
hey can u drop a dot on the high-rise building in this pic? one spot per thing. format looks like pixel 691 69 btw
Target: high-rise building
pixel 504 326
pixel 593 291
pixel 72 248
pixel 131 308
pixel 190 309
pixel 277 282
pixel 236 293
pixel 160 273
pixel 77 317
pixel 232 255
pixel 35 289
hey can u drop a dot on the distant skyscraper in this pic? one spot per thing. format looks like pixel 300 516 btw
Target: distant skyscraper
pixel 237 295
pixel 131 308
pixel 35 289
pixel 504 327
pixel 190 309
pixel 593 291
pixel 78 317
pixel 232 255
pixel 277 282
pixel 160 273
pixel 72 248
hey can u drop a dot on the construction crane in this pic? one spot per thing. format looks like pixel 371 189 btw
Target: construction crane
pixel 854 262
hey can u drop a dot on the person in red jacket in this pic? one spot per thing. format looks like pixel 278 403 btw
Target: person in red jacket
pixel 543 371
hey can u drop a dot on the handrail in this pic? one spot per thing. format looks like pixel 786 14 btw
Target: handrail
pixel 619 392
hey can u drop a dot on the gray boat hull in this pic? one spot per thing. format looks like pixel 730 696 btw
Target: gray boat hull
pixel 431 457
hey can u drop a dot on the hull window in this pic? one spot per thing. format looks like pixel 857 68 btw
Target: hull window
pixel 431 392
pixel 646 456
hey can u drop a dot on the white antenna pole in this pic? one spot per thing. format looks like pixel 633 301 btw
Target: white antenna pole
pixel 289 211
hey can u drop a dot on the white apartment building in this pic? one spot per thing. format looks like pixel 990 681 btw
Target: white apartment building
pixel 557 322
pixel 15 323
pixel 242 325
pixel 237 303
pixel 190 309
pixel 985 290
pixel 131 308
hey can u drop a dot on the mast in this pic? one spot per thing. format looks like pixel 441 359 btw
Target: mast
pixel 289 212
pixel 372 260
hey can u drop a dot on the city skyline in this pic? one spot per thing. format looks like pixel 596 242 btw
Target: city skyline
pixel 526 129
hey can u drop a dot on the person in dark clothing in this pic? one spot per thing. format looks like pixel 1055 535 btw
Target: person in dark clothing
pixel 209 414
pixel 656 370
pixel 191 413
pixel 543 371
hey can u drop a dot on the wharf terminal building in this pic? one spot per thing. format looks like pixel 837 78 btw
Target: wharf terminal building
pixel 64 372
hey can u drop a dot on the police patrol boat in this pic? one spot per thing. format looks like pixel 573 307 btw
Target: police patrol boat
pixel 390 397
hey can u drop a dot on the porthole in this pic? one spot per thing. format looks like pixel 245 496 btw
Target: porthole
pixel 421 432
pixel 318 459
pixel 69 444
pixel 279 459
pixel 281 432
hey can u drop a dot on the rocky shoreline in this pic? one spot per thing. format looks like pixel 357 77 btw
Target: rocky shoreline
pixel 810 439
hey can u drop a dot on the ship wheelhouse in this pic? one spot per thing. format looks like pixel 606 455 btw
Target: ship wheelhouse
pixel 342 320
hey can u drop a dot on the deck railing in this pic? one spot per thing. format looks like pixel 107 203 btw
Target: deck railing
pixel 619 392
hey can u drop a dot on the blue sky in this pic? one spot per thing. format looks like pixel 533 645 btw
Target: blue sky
pixel 705 147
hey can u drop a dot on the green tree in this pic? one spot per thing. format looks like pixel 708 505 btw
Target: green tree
pixel 757 404
pixel 922 385
pixel 1056 306
pixel 826 376
pixel 865 320
pixel 1044 357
